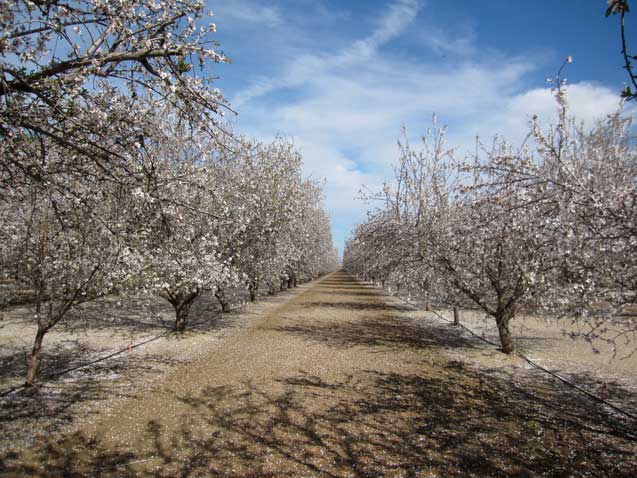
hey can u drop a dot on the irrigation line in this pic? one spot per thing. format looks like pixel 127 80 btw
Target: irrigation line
pixel 551 373
pixel 97 360
pixel 9 391
pixel 106 357
pixel 578 388
pixel 531 362
pixel 122 465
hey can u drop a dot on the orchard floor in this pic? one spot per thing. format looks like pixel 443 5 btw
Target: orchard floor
pixel 339 381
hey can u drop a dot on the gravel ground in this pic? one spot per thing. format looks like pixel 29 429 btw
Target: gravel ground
pixel 606 366
pixel 340 381
pixel 128 345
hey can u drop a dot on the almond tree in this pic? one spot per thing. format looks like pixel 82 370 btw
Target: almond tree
pixel 269 220
pixel 469 232
pixel 116 173
pixel 312 239
pixel 586 179
pixel 500 258
pixel 79 84
pixel 391 243
pixel 64 65
pixel 66 247
pixel 179 215
pixel 272 196
pixel 550 225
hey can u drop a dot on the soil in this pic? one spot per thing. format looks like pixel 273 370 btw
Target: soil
pixel 103 352
pixel 339 381
pixel 605 365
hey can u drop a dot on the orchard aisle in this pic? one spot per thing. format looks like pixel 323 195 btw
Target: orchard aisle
pixel 338 383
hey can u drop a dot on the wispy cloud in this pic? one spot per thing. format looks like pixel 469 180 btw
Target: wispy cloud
pixel 304 68
pixel 250 12
pixel 393 23
pixel 460 43
pixel 345 109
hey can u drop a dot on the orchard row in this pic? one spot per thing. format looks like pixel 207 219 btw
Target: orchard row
pixel 547 227
pixel 118 174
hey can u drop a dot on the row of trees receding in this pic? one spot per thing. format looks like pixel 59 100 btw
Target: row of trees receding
pixel 117 174
pixel 550 226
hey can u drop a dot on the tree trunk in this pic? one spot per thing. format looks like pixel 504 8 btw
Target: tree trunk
pixel 34 359
pixel 506 341
pixel 427 299
pixel 182 302
pixel 53 316
pixel 252 288
pixel 181 317
pixel 271 288
pixel 221 297
pixel 292 281
pixel 456 316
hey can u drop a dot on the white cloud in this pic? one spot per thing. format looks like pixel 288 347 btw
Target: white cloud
pixel 461 42
pixel 351 105
pixel 587 102
pixel 399 15
pixel 303 69
pixel 250 12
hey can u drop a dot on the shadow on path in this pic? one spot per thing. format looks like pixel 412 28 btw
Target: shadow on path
pixel 400 408
pixel 367 425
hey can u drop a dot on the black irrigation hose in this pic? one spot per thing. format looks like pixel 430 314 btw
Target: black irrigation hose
pixel 106 357
pixel 100 359
pixel 9 391
pixel 97 360
pixel 578 388
pixel 532 363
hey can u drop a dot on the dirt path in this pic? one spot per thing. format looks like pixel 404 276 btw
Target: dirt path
pixel 337 383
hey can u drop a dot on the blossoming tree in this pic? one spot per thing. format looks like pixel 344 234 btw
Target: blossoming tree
pixel 550 225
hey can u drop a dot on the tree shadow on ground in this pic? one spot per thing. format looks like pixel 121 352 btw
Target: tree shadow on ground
pixel 142 315
pixel 387 333
pixel 55 400
pixel 449 421
pixel 344 284
pixel 76 370
pixel 357 306
pixel 136 315
pixel 378 331
pixel 348 293
pixel 612 390
pixel 138 323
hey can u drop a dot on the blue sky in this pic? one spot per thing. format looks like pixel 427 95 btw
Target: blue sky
pixel 341 78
